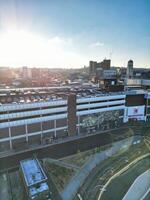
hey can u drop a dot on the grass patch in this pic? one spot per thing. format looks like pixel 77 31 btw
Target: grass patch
pixel 59 174
pixel 121 134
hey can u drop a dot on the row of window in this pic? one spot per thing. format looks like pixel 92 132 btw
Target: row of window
pixel 100 101
pixel 31 117
pixel 32 109
pixel 95 108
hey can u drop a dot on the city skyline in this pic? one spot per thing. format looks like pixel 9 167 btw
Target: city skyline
pixel 70 33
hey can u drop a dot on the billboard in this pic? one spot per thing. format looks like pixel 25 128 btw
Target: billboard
pixel 135 112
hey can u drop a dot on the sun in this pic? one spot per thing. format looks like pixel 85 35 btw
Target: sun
pixel 20 45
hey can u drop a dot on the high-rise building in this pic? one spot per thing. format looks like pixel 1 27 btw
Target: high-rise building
pixel 130 69
pixel 105 64
pixel 93 66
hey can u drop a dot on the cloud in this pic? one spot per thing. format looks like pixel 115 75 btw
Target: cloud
pixel 19 48
pixel 60 41
pixel 97 44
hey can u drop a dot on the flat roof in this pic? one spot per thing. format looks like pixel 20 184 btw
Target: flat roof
pixel 57 93
pixel 51 95
pixel 34 190
pixel 32 171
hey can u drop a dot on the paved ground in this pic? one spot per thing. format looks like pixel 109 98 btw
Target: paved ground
pixel 139 188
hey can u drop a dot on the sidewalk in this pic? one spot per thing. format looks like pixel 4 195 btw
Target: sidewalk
pixel 139 188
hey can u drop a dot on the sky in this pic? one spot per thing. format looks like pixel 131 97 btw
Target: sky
pixel 69 33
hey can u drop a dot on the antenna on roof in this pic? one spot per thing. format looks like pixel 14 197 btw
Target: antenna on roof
pixel 110 55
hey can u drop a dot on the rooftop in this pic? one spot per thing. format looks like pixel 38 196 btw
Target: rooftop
pixel 31 95
pixel 49 94
pixel 32 171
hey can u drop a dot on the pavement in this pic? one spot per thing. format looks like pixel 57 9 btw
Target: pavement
pixel 140 187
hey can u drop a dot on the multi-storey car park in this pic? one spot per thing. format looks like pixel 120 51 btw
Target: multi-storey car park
pixel 32 117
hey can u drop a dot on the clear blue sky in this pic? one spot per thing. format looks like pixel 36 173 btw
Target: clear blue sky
pixel 88 29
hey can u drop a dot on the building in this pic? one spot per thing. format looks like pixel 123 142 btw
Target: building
pixel 102 73
pixel 106 77
pixel 105 64
pixel 48 116
pixel 141 73
pixel 107 74
pixel 147 103
pixel 35 179
pixel 38 117
pixel 143 83
pixel 130 69
pixel 6 75
pixel 99 112
pixel 135 106
pixel 93 66
pixel 26 73
pixel 36 73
